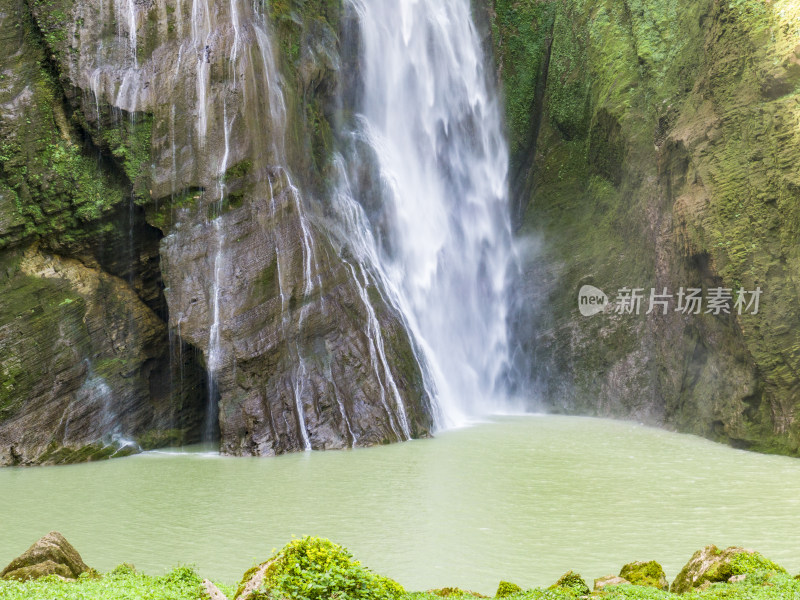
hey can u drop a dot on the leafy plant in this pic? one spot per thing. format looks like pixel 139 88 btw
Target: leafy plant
pixel 317 569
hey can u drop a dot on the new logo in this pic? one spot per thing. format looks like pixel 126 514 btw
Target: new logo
pixel 591 300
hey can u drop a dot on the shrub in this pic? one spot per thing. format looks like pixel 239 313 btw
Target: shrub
pixel 317 569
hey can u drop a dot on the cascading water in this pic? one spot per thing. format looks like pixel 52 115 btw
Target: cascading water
pixel 426 251
pixel 439 235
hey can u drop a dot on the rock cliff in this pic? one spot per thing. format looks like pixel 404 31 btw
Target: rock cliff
pixel 656 146
pixel 162 216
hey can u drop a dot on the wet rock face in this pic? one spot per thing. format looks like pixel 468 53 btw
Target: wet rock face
pixel 296 365
pixel 189 111
pixel 84 369
pixel 51 555
pixel 87 367
pixel 671 165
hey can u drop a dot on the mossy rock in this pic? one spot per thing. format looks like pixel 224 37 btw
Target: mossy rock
pixel 712 565
pixel 51 555
pixel 506 589
pixel 648 574
pixel 572 582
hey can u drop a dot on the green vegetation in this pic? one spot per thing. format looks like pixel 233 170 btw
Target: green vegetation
pixel 129 142
pixel 506 588
pixel 49 178
pixel 746 563
pixel 522 34
pixel 183 583
pixel 572 583
pixel 292 18
pixel 317 569
pixel 307 32
pixel 164 214
pixel 763 585
pixel 649 574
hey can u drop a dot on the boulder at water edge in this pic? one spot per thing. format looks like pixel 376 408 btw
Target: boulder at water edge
pixel 506 588
pixel 650 574
pixel 572 581
pixel 608 581
pixel 51 555
pixel 713 565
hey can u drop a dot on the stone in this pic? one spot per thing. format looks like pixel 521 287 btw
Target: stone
pixel 236 260
pixel 51 555
pixel 649 574
pixel 506 588
pixel 712 565
pixel 252 580
pixel 212 592
pixel 694 204
pixel 608 581
pixel 574 582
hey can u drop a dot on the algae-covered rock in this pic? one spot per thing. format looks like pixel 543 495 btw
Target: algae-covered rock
pixel 608 581
pixel 664 149
pixel 506 588
pixel 572 581
pixel 650 574
pixel 51 555
pixel 712 565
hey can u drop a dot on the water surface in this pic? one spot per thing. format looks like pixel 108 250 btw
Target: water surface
pixel 521 498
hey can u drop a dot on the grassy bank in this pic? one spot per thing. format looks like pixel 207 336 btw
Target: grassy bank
pixel 317 569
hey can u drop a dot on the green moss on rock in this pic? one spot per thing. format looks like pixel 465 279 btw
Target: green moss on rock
pixel 54 180
pixel 649 574
pixel 572 582
pixel 712 565
pixel 506 588
pixel 666 157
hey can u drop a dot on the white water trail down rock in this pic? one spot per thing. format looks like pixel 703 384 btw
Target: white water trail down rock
pixel 201 32
pixel 440 240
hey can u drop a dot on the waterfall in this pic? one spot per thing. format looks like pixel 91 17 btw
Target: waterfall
pixel 433 221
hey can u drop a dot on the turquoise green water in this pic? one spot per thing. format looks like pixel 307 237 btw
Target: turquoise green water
pixel 522 498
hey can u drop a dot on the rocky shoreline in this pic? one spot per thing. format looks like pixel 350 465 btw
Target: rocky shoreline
pixel 314 568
